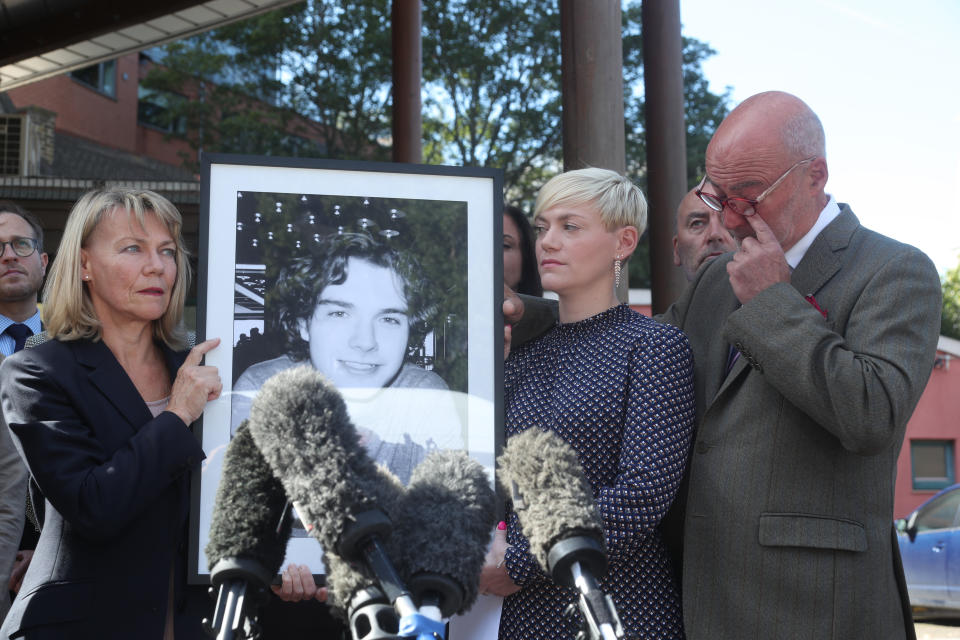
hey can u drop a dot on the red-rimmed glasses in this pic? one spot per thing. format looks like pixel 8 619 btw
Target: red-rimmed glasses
pixel 742 206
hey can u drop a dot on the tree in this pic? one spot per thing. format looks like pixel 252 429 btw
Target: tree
pixel 491 74
pixel 950 320
pixel 312 79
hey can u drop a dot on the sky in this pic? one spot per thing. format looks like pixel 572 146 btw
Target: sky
pixel 884 77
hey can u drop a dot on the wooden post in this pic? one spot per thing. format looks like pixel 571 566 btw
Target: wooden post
pixel 407 73
pixel 666 143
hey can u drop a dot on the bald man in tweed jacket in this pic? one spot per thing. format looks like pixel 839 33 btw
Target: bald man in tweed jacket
pixel 813 343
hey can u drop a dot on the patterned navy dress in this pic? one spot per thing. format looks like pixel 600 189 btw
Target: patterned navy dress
pixel 619 388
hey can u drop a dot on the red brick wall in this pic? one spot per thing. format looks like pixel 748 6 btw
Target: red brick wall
pixel 937 417
pixel 84 112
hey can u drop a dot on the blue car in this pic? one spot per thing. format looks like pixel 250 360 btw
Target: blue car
pixel 930 545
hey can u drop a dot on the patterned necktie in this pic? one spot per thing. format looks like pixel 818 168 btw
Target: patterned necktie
pixel 732 358
pixel 19 333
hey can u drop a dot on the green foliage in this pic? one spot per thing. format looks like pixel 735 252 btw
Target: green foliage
pixel 950 320
pixel 492 77
pixel 491 88
pixel 311 80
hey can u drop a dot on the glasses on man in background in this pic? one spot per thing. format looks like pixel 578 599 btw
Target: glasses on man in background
pixel 23 247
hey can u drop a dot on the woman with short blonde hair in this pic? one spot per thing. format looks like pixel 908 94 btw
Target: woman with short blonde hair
pixel 617 387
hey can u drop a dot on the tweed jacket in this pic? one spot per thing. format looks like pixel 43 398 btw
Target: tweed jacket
pixel 789 507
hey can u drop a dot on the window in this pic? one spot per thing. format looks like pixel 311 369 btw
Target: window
pixel 155 109
pixel 931 463
pixel 939 514
pixel 100 77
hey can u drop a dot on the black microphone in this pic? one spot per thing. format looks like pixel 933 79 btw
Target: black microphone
pixel 557 513
pixel 300 423
pixel 442 528
pixel 248 538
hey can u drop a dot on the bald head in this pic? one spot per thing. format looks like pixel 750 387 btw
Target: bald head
pixel 700 235
pixel 774 121
pixel 761 139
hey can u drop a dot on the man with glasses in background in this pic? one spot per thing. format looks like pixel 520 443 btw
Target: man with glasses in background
pixel 22 267
pixel 813 343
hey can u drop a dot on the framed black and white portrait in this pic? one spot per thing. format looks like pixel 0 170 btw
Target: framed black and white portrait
pixel 386 278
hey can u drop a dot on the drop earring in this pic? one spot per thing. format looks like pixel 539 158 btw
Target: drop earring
pixel 616 273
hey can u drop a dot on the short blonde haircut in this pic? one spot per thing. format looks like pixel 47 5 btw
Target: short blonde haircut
pixel 67 308
pixel 619 201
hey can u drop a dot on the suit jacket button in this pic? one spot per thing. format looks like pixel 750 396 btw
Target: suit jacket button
pixel 702 447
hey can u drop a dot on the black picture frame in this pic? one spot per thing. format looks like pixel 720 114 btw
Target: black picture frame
pixel 449 221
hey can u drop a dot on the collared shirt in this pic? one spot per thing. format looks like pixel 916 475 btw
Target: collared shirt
pixel 7 342
pixel 795 254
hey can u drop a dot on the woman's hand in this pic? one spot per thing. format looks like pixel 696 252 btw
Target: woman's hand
pixel 297 584
pixel 20 566
pixel 512 312
pixel 494 579
pixel 196 384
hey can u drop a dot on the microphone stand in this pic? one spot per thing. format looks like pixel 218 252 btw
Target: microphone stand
pixel 241 590
pixel 362 540
pixel 599 613
pixel 577 561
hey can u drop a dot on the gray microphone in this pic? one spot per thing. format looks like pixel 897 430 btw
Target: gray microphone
pixel 442 528
pixel 300 424
pixel 248 536
pixel 557 513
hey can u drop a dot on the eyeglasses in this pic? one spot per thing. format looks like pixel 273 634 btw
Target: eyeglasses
pixel 23 247
pixel 741 206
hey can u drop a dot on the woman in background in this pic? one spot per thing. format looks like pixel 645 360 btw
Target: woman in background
pixel 615 385
pixel 102 414
pixel 519 261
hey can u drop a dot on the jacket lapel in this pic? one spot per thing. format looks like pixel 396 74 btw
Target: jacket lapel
pixel 112 381
pixel 821 261
pixel 720 352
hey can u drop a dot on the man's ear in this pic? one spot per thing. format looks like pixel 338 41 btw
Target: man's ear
pixel 676 252
pixel 627 238
pixel 819 174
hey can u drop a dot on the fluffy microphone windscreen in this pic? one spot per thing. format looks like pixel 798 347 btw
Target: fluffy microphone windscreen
pixel 443 524
pixel 551 497
pixel 247 509
pixel 300 423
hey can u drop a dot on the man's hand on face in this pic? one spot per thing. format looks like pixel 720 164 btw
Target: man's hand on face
pixel 760 262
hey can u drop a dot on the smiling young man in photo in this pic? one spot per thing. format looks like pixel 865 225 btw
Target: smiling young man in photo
pixel 356 309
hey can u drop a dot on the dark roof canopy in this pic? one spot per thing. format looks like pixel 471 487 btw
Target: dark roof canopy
pixel 42 38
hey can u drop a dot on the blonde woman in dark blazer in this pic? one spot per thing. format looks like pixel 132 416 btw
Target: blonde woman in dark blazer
pixel 102 415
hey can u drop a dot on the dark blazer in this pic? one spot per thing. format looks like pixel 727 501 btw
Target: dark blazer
pixel 117 487
pixel 791 479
